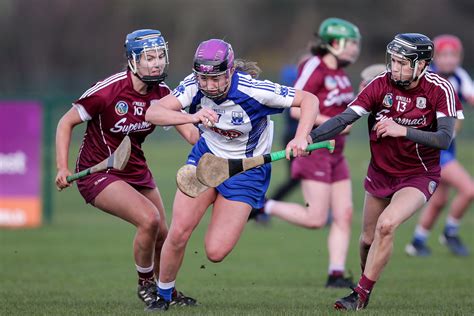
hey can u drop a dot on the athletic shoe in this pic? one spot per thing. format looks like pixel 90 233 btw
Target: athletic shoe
pixel 339 282
pixel 159 304
pixel 147 292
pixel 179 299
pixel 415 249
pixel 352 301
pixel 454 244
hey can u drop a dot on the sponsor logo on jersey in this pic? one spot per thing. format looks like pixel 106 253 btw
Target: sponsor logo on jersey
pixel 139 103
pixel 421 102
pixel 229 134
pixel 431 187
pixel 417 121
pixel 121 108
pixel 237 117
pixel 388 100
pixel 281 90
pixel 330 82
pixel 121 126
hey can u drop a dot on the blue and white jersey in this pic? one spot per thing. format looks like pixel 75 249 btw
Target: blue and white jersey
pixel 244 128
pixel 461 81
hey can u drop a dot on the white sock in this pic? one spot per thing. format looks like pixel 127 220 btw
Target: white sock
pixel 335 267
pixel 451 221
pixel 144 270
pixel 268 207
pixel 421 232
pixel 167 285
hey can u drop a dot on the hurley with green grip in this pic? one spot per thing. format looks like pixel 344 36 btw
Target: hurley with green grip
pixel 118 160
pixel 212 170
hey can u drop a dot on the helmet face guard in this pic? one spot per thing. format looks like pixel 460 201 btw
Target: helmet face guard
pixel 145 50
pixel 213 59
pixel 412 47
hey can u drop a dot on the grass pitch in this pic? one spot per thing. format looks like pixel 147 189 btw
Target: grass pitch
pixel 82 264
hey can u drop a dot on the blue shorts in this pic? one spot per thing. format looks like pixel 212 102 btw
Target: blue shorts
pixel 248 187
pixel 448 155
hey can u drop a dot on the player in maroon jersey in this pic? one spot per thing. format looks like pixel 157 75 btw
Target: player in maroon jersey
pixel 412 116
pixel 114 108
pixel 325 177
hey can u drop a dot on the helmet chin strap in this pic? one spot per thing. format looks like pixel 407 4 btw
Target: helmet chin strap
pixel 148 80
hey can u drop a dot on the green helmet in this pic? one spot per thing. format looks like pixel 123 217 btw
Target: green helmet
pixel 334 28
pixel 337 29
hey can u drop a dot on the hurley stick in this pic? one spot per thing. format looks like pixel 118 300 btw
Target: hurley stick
pixel 118 160
pixel 213 170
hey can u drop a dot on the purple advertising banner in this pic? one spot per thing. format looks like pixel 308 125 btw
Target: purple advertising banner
pixel 20 145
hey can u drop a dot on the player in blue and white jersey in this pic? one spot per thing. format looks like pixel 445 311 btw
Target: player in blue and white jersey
pixel 447 63
pixel 232 109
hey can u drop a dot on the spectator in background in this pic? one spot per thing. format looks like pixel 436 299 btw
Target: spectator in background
pixel 447 63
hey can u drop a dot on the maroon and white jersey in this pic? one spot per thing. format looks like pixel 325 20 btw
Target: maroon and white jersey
pixel 418 108
pixel 331 86
pixel 113 109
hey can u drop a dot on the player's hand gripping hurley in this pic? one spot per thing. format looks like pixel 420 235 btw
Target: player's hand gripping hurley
pixel 118 160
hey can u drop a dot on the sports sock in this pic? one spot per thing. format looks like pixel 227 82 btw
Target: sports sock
pixel 420 236
pixel 336 270
pixel 452 226
pixel 267 209
pixel 166 290
pixel 145 275
pixel 364 287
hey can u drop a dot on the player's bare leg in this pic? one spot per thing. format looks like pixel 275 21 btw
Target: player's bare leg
pixel 403 205
pixel 224 231
pixel 122 200
pixel 452 175
pixel 373 207
pixel 339 233
pixel 187 213
pixel 155 197
pixel 456 176
pixel 316 194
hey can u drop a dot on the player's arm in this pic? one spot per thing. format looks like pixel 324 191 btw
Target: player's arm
pixel 308 104
pixel 189 132
pixel 334 126
pixel 167 111
pixel 63 140
pixel 440 139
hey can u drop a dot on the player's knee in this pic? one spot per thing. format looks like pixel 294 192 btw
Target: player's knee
pixel 315 223
pixel 366 241
pixel 344 218
pixel 315 220
pixel 386 227
pixel 178 235
pixel 152 222
pixel 468 191
pixel 215 254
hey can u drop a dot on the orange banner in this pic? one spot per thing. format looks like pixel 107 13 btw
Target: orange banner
pixel 20 212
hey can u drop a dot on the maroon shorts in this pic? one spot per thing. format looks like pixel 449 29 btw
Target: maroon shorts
pixel 93 184
pixel 382 185
pixel 321 166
